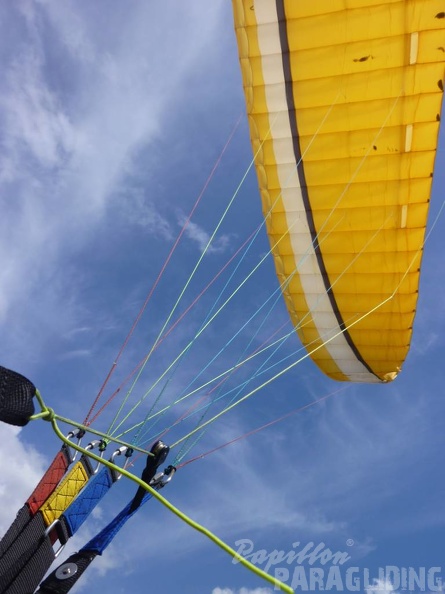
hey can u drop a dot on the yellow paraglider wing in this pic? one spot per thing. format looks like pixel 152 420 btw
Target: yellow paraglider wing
pixel 344 102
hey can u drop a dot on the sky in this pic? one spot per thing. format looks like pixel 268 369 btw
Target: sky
pixel 112 117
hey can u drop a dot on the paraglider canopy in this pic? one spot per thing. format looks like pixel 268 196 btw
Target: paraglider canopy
pixel 344 107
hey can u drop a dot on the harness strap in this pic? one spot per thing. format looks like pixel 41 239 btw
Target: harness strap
pixel 66 575
pixel 29 556
pixel 21 520
pixel 20 551
pixel 27 580
pixel 44 489
pixel 50 480
pixel 101 541
pixel 87 500
pixel 66 525
pixel 66 492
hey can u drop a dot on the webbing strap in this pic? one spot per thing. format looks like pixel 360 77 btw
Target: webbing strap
pixel 46 486
pixel 87 500
pixel 31 544
pixel 66 491
pixel 50 479
pixel 100 542
pixel 66 575
pixel 28 579
pixel 35 563
pixel 22 518
pixel 32 572
pixel 21 551
pixel 16 394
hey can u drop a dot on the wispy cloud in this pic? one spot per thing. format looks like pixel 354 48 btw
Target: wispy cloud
pixel 22 469
pixel 201 237
pixel 35 125
pixel 380 587
pixel 70 144
pixel 142 211
pixel 75 354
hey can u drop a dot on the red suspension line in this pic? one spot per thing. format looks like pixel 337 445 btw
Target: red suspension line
pixel 87 420
pixel 289 414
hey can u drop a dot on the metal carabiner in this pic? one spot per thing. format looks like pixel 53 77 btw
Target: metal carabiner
pixel 162 478
pixel 49 530
pixel 122 450
pixel 95 444
pixel 78 433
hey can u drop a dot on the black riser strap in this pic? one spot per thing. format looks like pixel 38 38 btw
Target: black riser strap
pixel 18 525
pixel 65 576
pixel 34 562
pixel 29 578
pixel 27 542
pixel 44 489
pixel 21 551
pixel 58 583
pixel 27 566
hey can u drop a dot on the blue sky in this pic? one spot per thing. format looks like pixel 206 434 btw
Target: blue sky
pixel 112 117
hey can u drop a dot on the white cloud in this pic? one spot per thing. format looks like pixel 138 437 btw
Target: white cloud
pixel 34 119
pixel 69 144
pixel 141 211
pixel 426 342
pixel 197 234
pixel 22 468
pixel 380 587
